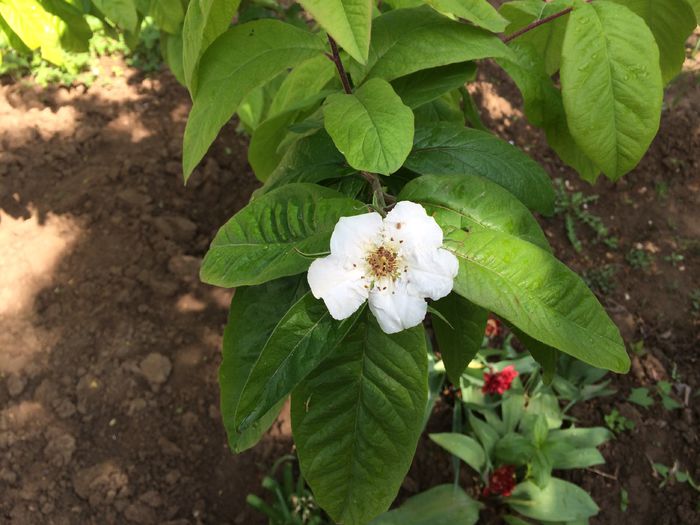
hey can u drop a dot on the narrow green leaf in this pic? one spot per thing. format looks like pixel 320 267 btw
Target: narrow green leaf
pixel 544 106
pixel 427 85
pixel 486 433
pixel 473 203
pixel 441 505
pixel 464 447
pixel 204 21
pixel 240 60
pixel 480 12
pixel 540 295
pixel 376 114
pixel 267 239
pixel 356 420
pixel 582 437
pixel 255 311
pixel 313 158
pixel 408 40
pixel 458 343
pixel 121 12
pixel 172 53
pixel 611 84
pixel 558 501
pixel 452 149
pixel 671 25
pixel 347 21
pixel 303 338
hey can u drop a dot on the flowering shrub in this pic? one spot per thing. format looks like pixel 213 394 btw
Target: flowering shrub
pixel 360 121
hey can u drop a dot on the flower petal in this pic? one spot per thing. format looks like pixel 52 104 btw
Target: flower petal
pixel 396 309
pixel 431 273
pixel 354 236
pixel 339 284
pixel 409 224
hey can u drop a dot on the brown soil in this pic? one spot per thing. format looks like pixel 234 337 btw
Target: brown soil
pixel 109 345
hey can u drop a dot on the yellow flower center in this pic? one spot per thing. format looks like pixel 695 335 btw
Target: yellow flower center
pixel 383 263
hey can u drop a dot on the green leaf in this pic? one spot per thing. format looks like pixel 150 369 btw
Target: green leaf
pixel 74 31
pixel 267 239
pixel 121 12
pixel 356 420
pixel 441 505
pixel 486 434
pixel 464 447
pixel 544 106
pixel 514 449
pixel 254 314
pixel 204 21
pixel 695 4
pixel 263 151
pixel 240 60
pixel 558 501
pixel 452 149
pixel 480 12
pixel 166 14
pixel 173 55
pixel 425 86
pixel 303 81
pixel 376 114
pixel 547 39
pixel 582 437
pixel 303 339
pixel 35 27
pixel 313 158
pixel 473 203
pixel 671 26
pixel 568 458
pixel 540 295
pixel 408 40
pixel 458 343
pixel 347 21
pixel 611 84
pixel 641 397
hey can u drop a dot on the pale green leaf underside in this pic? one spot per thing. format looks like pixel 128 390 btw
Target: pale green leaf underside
pixel 441 505
pixel 267 239
pixel 611 84
pixel 559 501
pixel 356 420
pixel 240 60
pixel 408 40
pixel 540 295
pixel 473 203
pixel 254 314
pixel 452 149
pixel 480 12
pixel 204 21
pixel 348 21
pixel 371 127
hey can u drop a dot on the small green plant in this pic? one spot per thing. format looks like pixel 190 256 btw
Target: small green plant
pixel 601 279
pixel 639 258
pixel 293 503
pixel 574 207
pixel 668 474
pixel 624 500
pixel 663 388
pixel 641 397
pixel 676 259
pixel 617 422
pixel 695 300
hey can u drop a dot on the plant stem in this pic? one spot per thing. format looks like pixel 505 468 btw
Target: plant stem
pixel 537 23
pixel 335 57
pixel 377 190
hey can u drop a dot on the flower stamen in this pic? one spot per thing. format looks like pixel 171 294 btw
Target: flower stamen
pixel 383 263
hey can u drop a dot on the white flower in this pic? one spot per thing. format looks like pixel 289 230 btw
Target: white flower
pixel 395 262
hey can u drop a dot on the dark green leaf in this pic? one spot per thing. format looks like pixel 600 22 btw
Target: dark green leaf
pixel 473 203
pixel 611 84
pixel 544 354
pixel 530 288
pixel 240 60
pixel 303 338
pixel 254 314
pixel 460 340
pixel 451 149
pixel 269 237
pixel 356 420
pixel 375 113
pixel 408 40
pixel 425 86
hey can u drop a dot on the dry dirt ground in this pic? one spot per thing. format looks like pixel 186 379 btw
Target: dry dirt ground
pixel 109 345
